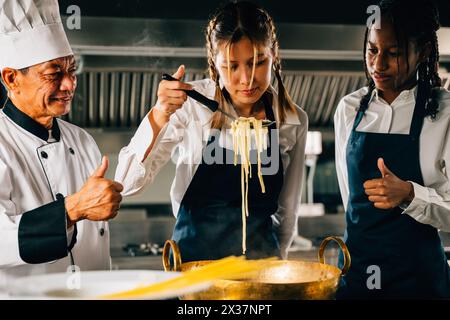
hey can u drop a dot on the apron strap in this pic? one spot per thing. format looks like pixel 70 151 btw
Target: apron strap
pixel 358 119
pixel 268 107
pixel 360 114
pixel 419 113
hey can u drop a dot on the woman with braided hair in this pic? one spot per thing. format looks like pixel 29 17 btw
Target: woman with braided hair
pixel 392 148
pixel 206 193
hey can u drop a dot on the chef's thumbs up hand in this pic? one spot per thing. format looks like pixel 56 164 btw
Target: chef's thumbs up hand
pixel 101 170
pixel 99 199
pixel 389 191
pixel 383 168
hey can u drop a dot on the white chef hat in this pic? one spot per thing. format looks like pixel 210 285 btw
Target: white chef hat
pixel 31 32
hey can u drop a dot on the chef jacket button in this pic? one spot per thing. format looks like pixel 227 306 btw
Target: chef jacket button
pixel 102 232
pixel 59 196
pixel 44 154
pixel 71 151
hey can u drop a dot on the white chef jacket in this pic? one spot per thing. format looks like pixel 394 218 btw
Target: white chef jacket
pixel 431 204
pixel 32 172
pixel 187 131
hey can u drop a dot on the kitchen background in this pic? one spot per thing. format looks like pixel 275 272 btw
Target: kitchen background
pixel 124 46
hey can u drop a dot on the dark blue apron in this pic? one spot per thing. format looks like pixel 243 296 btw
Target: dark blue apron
pixel 209 221
pixel 409 254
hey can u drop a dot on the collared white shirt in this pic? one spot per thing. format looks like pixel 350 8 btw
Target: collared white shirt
pixel 32 172
pixel 188 131
pixel 431 204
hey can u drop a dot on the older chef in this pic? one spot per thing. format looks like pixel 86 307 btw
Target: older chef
pixel 54 198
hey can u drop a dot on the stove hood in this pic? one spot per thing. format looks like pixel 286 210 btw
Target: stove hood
pixel 121 62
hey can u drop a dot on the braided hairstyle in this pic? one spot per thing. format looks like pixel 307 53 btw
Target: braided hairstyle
pixel 416 20
pixel 229 25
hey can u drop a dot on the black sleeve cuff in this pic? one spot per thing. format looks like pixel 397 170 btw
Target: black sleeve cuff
pixel 43 234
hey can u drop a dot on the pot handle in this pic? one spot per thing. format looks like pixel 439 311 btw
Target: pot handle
pixel 171 244
pixel 345 252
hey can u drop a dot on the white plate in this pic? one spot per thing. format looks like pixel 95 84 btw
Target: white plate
pixel 92 284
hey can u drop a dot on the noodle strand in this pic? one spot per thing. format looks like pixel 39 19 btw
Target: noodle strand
pixel 242 142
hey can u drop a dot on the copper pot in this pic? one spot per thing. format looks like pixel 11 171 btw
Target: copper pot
pixel 282 280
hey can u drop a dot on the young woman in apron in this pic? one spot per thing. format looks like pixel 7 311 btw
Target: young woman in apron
pixel 206 195
pixel 392 144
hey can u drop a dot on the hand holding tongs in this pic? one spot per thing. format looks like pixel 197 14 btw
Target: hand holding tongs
pixel 213 105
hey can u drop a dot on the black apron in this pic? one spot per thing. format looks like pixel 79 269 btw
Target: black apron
pixel 209 221
pixel 409 254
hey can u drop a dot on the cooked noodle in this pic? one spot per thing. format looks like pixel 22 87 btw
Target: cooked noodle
pixel 241 130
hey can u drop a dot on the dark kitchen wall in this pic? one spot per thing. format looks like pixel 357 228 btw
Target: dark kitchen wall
pixel 293 11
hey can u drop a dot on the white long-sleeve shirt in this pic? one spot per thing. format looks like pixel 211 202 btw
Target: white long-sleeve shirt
pixel 33 171
pixel 188 131
pixel 431 204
